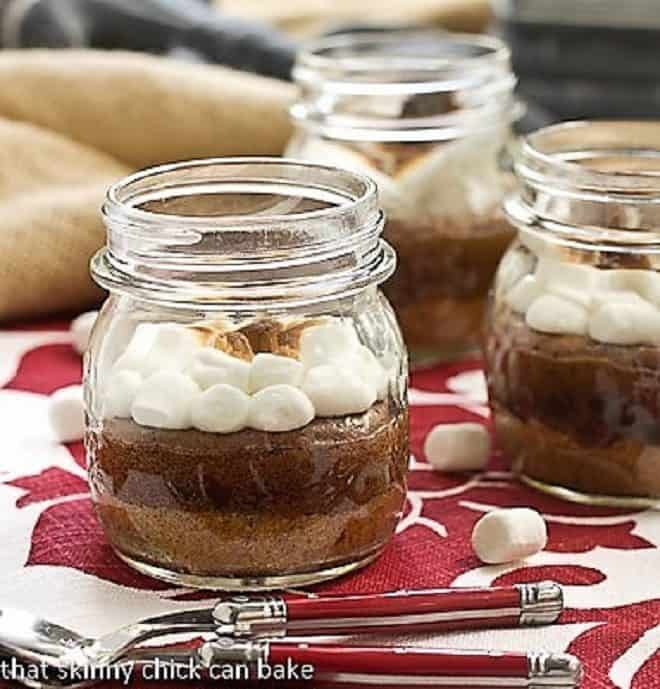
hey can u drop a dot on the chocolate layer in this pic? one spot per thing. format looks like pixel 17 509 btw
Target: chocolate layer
pixel 573 412
pixel 252 503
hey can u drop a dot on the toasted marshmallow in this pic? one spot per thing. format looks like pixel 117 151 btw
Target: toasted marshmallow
pixel 625 324
pixel 280 408
pixel 340 155
pixel 554 315
pixel 442 182
pixel 335 391
pixel 322 344
pixel 458 447
pixel 81 329
pixel 66 413
pixel 220 409
pixel 120 393
pixel 521 296
pixel 164 400
pixel 366 366
pixel 507 535
pixel 272 369
pixel 211 366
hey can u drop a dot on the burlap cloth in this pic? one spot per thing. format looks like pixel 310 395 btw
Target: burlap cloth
pixel 72 122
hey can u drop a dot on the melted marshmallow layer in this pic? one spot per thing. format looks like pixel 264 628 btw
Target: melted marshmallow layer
pixel 454 180
pixel 177 377
pixel 612 306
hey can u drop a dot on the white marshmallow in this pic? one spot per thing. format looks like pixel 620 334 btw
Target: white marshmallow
pixel 572 281
pixel 365 365
pixel 335 391
pixel 280 408
pixel 120 393
pixel 454 180
pixel 551 271
pixel 458 447
pixel 514 266
pixel 273 369
pixel 322 344
pixel 172 349
pixel 164 399
pixel 66 412
pixel 211 366
pixel 509 534
pixel 340 155
pixel 602 298
pixel 137 349
pixel 521 295
pixel 646 283
pixel 81 329
pixel 220 409
pixel 554 315
pixel 626 324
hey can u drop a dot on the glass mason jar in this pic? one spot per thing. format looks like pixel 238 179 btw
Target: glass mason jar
pixel 246 381
pixel 573 338
pixel 425 114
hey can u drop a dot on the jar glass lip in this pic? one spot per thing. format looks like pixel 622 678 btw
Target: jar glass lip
pixel 405 85
pixel 594 155
pixel 425 54
pixel 347 193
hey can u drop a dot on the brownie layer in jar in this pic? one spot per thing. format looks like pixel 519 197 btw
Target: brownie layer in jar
pixel 253 503
pixel 574 412
pixel 310 479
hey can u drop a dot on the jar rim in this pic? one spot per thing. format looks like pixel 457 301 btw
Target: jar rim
pixel 120 200
pixel 404 85
pixel 243 260
pixel 493 50
pixel 556 154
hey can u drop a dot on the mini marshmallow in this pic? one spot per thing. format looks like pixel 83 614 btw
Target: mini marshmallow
pixel 211 366
pixel 514 266
pixel 164 400
pixel 563 275
pixel 66 412
pixel 273 369
pixel 280 408
pixel 554 315
pixel 571 281
pixel 365 364
pixel 600 299
pixel 645 283
pixel 625 324
pixel 509 534
pixel 137 349
pixel 172 348
pixel 458 447
pixel 81 329
pixel 335 391
pixel 321 344
pixel 521 296
pixel 120 393
pixel 220 409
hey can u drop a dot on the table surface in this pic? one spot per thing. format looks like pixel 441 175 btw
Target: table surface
pixel 55 561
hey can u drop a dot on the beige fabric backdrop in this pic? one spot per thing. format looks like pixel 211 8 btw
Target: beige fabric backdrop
pixel 72 122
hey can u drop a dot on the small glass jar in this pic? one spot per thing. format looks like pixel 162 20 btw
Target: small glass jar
pixel 246 380
pixel 573 338
pixel 425 114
